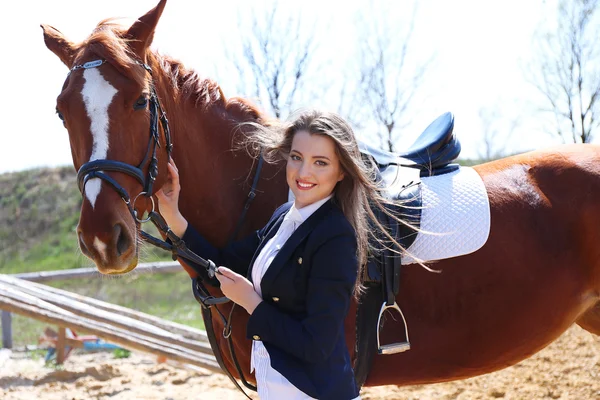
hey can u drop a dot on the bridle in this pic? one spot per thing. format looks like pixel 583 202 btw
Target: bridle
pixel 96 168
pixel 174 244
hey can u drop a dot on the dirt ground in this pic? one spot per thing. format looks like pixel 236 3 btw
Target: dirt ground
pixel 567 369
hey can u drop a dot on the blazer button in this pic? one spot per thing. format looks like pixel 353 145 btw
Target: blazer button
pixel 275 299
pixel 299 260
pixel 256 337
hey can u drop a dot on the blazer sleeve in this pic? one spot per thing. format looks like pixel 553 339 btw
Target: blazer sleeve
pixel 235 256
pixel 330 286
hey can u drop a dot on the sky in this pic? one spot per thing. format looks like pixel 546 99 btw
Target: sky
pixel 480 47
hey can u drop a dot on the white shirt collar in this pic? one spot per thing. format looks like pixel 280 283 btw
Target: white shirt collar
pixel 299 215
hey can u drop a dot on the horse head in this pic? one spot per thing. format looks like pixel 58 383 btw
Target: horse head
pixel 110 109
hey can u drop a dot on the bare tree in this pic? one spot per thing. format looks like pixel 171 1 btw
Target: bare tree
pixel 277 50
pixel 496 133
pixel 389 76
pixel 566 70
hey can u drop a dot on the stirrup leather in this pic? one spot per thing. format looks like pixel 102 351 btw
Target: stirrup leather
pixel 392 348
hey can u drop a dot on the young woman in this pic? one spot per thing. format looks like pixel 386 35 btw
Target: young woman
pixel 295 277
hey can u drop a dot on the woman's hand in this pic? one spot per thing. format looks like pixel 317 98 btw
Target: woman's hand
pixel 168 201
pixel 238 289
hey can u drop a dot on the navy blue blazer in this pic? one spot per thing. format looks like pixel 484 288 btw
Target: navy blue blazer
pixel 306 295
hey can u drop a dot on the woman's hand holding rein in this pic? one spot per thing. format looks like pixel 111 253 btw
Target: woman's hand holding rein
pixel 234 286
pixel 238 289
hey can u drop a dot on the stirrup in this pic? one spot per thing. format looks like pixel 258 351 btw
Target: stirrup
pixel 392 348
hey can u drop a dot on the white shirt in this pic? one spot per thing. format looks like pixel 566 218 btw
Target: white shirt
pixel 271 385
pixel 291 221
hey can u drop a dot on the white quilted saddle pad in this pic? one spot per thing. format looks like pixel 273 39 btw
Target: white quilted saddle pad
pixel 455 217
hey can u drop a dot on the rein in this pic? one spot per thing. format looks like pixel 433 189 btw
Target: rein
pixel 174 244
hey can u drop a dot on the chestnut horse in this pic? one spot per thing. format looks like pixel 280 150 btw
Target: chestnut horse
pixel 538 273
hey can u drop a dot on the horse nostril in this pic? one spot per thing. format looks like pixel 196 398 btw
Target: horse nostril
pixel 123 241
pixel 83 247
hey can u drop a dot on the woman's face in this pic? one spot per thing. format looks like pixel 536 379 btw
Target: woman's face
pixel 313 168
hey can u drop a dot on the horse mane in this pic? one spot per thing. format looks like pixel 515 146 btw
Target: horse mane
pixel 109 41
pixel 205 92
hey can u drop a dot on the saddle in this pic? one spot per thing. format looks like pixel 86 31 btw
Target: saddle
pixel 399 177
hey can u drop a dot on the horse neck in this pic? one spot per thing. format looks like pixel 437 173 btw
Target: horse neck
pixel 215 181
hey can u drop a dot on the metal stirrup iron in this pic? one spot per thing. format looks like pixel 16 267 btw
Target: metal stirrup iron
pixel 392 348
pixel 391 284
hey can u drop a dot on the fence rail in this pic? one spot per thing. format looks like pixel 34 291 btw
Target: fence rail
pixel 131 329
pixel 48 276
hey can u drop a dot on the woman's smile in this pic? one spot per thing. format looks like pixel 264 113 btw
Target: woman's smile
pixel 305 185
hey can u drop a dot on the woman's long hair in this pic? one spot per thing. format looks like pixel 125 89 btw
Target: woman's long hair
pixel 356 194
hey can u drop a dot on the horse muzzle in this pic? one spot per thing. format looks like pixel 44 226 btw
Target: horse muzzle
pixel 113 251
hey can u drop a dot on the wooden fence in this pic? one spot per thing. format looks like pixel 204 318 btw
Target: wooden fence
pixel 119 325
pixel 145 268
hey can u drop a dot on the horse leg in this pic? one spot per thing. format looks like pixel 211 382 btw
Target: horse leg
pixel 590 320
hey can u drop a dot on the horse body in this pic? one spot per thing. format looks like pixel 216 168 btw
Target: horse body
pixel 537 274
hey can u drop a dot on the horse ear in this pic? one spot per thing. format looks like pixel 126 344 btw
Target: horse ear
pixel 141 32
pixel 59 45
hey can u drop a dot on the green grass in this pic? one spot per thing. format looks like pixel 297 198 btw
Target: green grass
pixel 36 354
pixel 37 220
pixel 121 353
pixel 55 251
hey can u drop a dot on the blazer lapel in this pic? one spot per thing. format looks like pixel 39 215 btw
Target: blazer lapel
pixel 290 245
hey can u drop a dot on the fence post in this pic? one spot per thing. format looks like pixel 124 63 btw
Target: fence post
pixel 60 345
pixel 6 330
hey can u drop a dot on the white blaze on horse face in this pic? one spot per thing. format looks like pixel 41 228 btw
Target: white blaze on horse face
pixel 97 95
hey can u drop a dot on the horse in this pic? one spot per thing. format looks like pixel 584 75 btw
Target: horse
pixel 537 274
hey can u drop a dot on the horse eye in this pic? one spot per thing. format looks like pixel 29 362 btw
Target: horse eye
pixel 60 116
pixel 140 103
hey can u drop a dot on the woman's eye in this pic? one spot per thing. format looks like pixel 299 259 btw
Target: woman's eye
pixel 320 163
pixel 295 157
pixel 140 103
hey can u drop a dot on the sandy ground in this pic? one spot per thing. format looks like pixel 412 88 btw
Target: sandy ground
pixel 567 369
